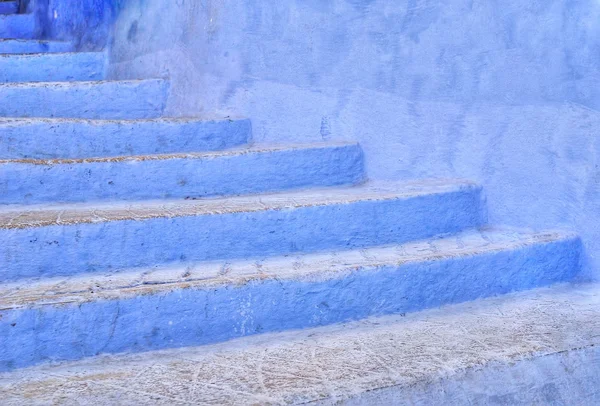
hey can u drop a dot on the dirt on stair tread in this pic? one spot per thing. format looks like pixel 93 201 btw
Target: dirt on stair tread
pixel 313 266
pixel 333 363
pixel 19 217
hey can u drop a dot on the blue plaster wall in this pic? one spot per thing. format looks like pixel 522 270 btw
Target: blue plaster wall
pixel 506 93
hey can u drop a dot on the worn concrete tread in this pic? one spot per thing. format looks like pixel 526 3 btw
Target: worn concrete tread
pixel 32 41
pixel 42 55
pixel 19 217
pixel 56 85
pixel 58 120
pixel 256 149
pixel 314 266
pixel 329 364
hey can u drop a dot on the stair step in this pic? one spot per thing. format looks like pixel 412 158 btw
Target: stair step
pixel 52 67
pixel 23 46
pixel 49 138
pixel 9 7
pixel 210 302
pixel 70 239
pixel 18 26
pixel 526 348
pixel 188 175
pixel 129 99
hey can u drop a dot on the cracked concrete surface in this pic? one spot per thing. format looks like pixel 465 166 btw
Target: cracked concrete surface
pixel 422 358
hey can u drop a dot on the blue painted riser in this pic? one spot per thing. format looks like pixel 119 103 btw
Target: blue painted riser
pixel 108 100
pixel 50 67
pixel 123 237
pixel 18 26
pixel 180 176
pixel 15 46
pixel 68 138
pixel 188 316
pixel 9 7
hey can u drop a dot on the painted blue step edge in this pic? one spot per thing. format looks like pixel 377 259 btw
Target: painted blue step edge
pixel 18 26
pixel 73 138
pixel 53 67
pixel 87 322
pixel 20 46
pixel 9 7
pixel 128 99
pixel 69 240
pixel 189 175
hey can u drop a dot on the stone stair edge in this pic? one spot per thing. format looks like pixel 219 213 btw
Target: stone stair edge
pixel 229 152
pixel 84 83
pixel 40 215
pixel 34 40
pixel 52 55
pixel 99 121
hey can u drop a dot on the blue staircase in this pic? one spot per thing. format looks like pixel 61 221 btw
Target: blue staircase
pixel 125 230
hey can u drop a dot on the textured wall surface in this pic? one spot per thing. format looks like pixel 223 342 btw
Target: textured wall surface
pixel 504 93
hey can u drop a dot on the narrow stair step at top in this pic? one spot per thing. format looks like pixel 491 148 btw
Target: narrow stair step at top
pixel 9 7
pixel 52 67
pixel 18 26
pixel 114 99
